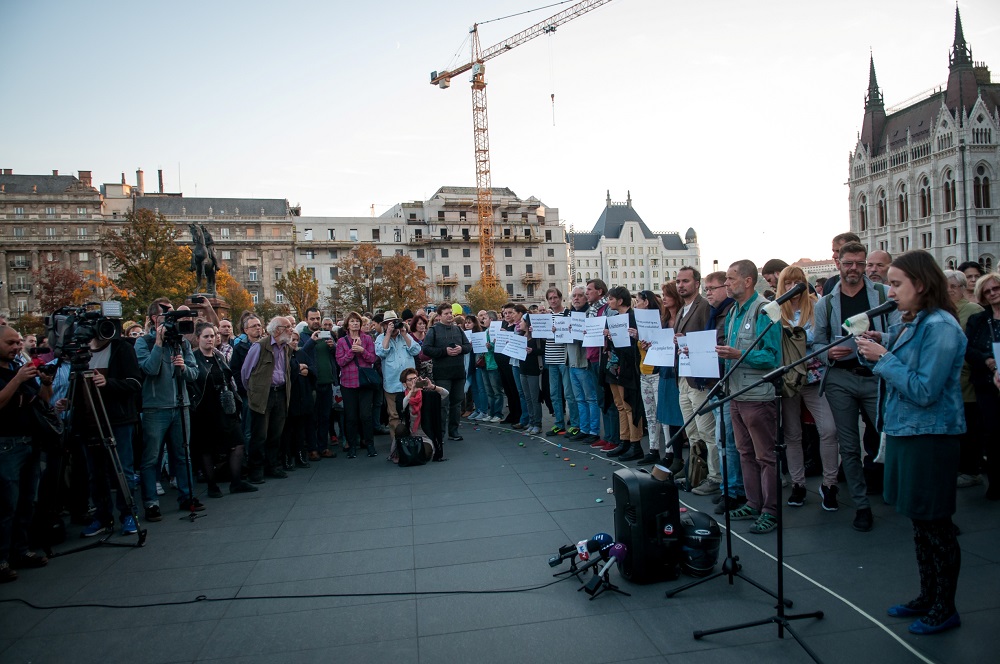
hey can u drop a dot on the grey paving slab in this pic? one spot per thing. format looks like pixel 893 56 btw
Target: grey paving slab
pixel 475 528
pixel 345 523
pixel 484 495
pixel 369 506
pixel 161 581
pixel 539 543
pixel 481 510
pixel 508 573
pixel 359 540
pixel 331 494
pixel 398 651
pixel 327 565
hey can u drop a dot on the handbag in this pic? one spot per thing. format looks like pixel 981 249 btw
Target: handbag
pixel 367 376
pixel 413 451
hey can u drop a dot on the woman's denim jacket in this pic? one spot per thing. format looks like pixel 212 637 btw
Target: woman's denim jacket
pixel 919 391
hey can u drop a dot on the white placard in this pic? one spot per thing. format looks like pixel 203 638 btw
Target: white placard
pixel 516 347
pixel 541 326
pixel 478 340
pixel 563 333
pixel 594 336
pixel 700 360
pixel 647 321
pixel 468 334
pixel 662 353
pixel 578 323
pixel 495 327
pixel 618 326
pixel 503 336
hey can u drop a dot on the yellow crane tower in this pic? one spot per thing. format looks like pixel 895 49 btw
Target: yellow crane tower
pixel 480 125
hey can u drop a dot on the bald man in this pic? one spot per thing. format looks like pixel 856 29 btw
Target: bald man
pixel 877 267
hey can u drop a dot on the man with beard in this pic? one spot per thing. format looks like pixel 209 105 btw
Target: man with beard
pixel 877 268
pixel 850 387
pixel 266 377
pixel 321 350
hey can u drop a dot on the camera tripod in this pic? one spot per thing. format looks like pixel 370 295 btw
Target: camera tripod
pixel 82 381
pixel 177 348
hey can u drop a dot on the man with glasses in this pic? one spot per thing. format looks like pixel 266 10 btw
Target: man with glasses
pixel 850 387
pixel 267 380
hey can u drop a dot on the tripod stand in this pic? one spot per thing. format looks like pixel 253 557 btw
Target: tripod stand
pixel 177 348
pixel 82 381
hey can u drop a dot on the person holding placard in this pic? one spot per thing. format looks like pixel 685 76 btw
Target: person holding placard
pixel 597 301
pixel 668 409
pixel 491 372
pixel 514 314
pixel 530 372
pixel 582 380
pixel 560 387
pixel 507 379
pixel 649 380
pixel 621 377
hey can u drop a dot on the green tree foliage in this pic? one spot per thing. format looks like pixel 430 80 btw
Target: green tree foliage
pixel 267 310
pixel 300 289
pixel 481 297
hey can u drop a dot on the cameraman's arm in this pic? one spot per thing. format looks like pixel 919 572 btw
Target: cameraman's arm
pixel 124 376
pixel 190 364
pixel 150 359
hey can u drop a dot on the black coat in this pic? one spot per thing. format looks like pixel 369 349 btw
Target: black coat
pixel 979 331
pixel 302 402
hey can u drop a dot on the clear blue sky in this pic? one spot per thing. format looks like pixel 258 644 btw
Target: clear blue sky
pixel 733 117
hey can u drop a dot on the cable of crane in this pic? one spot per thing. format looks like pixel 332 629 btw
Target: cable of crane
pixel 528 11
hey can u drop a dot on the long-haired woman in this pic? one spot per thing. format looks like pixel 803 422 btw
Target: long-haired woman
pixel 668 398
pixel 356 350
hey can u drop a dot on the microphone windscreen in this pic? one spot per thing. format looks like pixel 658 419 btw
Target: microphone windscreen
pixel 602 541
pixel 618 552
pixel 582 549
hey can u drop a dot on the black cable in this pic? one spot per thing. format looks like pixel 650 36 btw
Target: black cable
pixel 205 598
pixel 528 11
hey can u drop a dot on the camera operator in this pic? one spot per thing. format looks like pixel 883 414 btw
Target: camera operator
pixel 163 409
pixel 398 349
pixel 119 380
pixel 18 460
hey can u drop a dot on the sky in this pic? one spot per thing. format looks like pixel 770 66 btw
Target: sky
pixel 735 118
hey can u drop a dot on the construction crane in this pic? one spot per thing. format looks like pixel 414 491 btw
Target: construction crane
pixel 480 124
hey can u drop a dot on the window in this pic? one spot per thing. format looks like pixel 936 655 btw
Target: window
pixel 375 235
pixel 550 253
pixel 863 214
pixel 353 234
pixel 50 212
pixel 527 232
pixel 548 236
pixel 529 268
pixel 925 197
pixel 508 252
pixel 981 188
pixel 503 217
pixel 926 240
pixel 466 253
pixel 50 257
pixel 397 235
pixel 467 270
pixel 421 270
pixel 50 232
pixel 81 232
pixel 307 234
pixel 22 306
pixel 279 297
pixel 440 215
pixel 506 232
pixel 902 205
pixel 465 234
pixel 224 233
pixel 445 271
pixel 277 274
pixel 420 253
pixel 527 252
pixel 951 236
pixel 509 270
pixel 399 252
pixel 227 255
pixel 312 272
pixel 531 290
pixel 255 297
pixel 949 191
pixel 18 212
pixel 444 233
pixel 985 233
pixel 333 272
pixel 412 216
pixel 468 287
pixel 880 209
pixel 462 216
pixel 252 274
pixel 444 253
pixel 510 289
pixel 552 269
pixel 333 254
pixel 84 256
pixel 904 244
pixel 276 232
pixel 18 231
pixel 308 253
pixel 251 232
pixel 81 212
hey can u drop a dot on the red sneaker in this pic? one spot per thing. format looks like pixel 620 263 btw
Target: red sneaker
pixel 599 443
pixel 608 447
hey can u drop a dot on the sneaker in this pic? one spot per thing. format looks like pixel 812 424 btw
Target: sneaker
pixel 745 513
pixel 608 446
pixel 455 437
pixel 599 443
pixel 829 494
pixel 214 491
pixel 554 432
pixel 649 459
pixel 798 496
pixel 573 431
pixel 966 481
pixel 242 487
pixel 517 426
pixel 129 526
pixel 764 524
pixel 863 520
pixel 6 573
pixel 706 488
pixel 586 439
pixel 159 489
pixel 153 513
pixel 496 419
pixel 95 528
pixel 190 504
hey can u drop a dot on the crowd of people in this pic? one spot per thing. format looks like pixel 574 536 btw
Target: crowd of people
pixel 904 410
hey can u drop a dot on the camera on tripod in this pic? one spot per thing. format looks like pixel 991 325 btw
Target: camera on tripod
pixel 176 324
pixel 71 329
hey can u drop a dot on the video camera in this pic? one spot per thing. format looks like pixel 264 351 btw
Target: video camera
pixel 71 329
pixel 176 324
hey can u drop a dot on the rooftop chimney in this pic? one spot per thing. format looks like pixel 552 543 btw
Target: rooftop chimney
pixel 85 178
pixel 160 172
pixel 140 183
pixel 123 178
pixel 55 172
pixel 8 171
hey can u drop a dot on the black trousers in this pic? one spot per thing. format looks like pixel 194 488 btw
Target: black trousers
pixel 321 433
pixel 510 391
pixel 358 415
pixel 265 432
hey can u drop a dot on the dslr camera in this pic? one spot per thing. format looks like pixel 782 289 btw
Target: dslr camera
pixel 71 329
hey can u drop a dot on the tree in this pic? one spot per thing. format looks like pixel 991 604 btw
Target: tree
pixel 404 284
pixel 300 289
pixel 147 260
pixel 267 310
pixel 56 286
pixel 29 323
pixel 232 291
pixel 481 297
pixel 359 281
pixel 98 287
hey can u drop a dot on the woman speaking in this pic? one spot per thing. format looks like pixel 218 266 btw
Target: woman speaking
pixel 918 363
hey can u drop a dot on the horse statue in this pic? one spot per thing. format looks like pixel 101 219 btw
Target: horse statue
pixel 203 262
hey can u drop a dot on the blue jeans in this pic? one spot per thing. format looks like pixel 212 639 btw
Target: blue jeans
pixel 561 391
pixel 734 471
pixel 159 424
pixel 586 400
pixel 478 388
pixel 494 391
pixel 18 483
pixel 608 411
pixel 525 417
pixel 531 385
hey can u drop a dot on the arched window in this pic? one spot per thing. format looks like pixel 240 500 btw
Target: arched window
pixel 951 263
pixel 642 275
pixel 949 191
pixel 986 262
pixel 981 188
pixel 880 208
pixel 863 214
pixel 925 197
pixel 902 205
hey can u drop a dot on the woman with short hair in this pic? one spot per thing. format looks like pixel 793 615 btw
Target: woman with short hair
pixel 356 351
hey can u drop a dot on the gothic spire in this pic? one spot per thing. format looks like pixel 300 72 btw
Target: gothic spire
pixel 961 54
pixel 873 98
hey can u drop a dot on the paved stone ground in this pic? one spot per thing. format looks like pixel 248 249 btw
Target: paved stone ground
pixel 487 519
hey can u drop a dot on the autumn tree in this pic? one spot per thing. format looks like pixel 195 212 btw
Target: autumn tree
pixel 267 310
pixel 29 323
pixel 482 297
pixel 232 291
pixel 98 287
pixel 405 285
pixel 147 260
pixel 55 286
pixel 360 285
pixel 300 288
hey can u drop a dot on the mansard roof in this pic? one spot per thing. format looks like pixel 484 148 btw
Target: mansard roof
pixel 471 191
pixel 176 206
pixel 586 241
pixel 613 219
pixel 46 184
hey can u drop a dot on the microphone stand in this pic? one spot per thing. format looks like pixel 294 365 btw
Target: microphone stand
pixel 780 618
pixel 731 566
pixel 603 585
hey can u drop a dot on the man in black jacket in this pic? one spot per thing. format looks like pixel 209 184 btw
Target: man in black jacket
pixel 253 328
pixel 445 343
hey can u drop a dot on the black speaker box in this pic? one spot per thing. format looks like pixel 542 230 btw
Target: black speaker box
pixel 647 522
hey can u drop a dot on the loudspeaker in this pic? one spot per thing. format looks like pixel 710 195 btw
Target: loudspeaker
pixel 647 522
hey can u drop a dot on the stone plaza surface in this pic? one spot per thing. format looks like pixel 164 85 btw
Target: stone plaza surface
pixel 386 543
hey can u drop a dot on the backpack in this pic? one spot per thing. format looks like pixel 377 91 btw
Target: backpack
pixel 793 349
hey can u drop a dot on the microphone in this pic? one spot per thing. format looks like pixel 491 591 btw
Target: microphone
pixel 861 323
pixel 773 309
pixel 601 542
pixel 616 556
pixel 566 552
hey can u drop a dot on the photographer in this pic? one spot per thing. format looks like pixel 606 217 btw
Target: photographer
pixel 18 460
pixel 319 346
pixel 397 348
pixel 162 357
pixel 118 380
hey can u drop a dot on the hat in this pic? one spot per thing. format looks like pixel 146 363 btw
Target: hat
pixel 388 316
pixel 456 309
